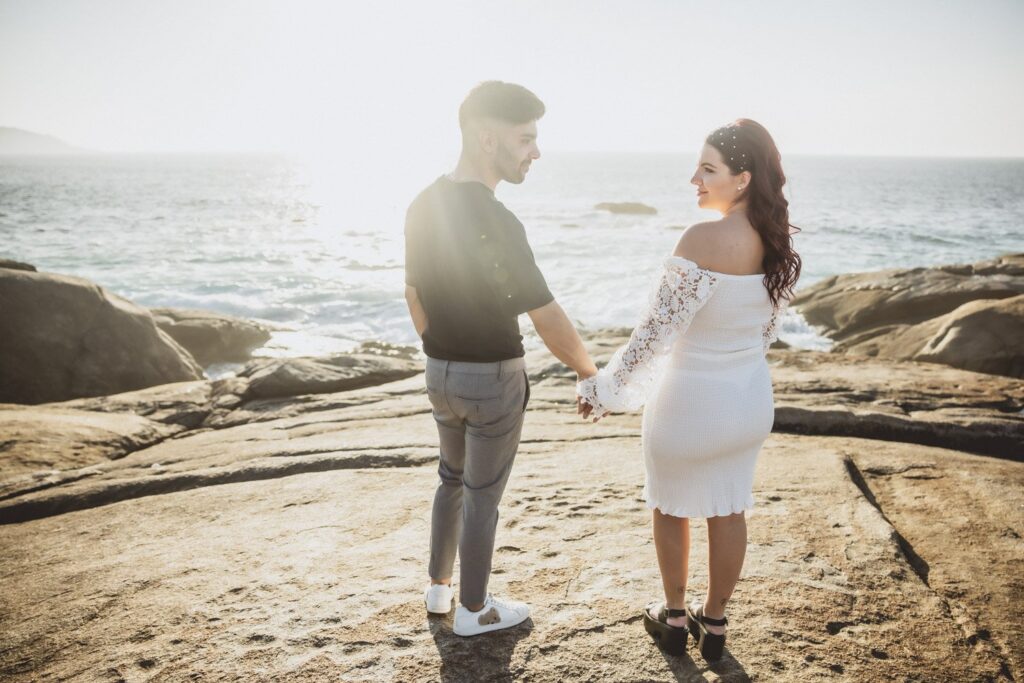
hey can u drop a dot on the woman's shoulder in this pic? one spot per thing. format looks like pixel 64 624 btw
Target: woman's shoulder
pixel 726 246
pixel 698 237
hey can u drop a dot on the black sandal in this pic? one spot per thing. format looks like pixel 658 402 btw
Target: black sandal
pixel 671 639
pixel 709 644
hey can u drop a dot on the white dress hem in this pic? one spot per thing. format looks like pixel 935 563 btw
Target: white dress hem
pixel 684 511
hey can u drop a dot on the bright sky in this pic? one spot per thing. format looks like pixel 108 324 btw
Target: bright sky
pixel 351 79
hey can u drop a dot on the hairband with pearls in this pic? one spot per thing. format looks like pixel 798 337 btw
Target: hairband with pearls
pixel 722 143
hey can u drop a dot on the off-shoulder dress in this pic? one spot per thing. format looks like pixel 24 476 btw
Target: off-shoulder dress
pixel 697 360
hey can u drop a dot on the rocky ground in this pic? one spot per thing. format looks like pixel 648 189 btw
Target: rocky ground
pixel 201 531
pixel 273 525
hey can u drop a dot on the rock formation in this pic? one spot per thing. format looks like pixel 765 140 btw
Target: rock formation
pixel 64 337
pixel 211 337
pixel 636 208
pixel 967 316
pixel 274 525
pixel 189 531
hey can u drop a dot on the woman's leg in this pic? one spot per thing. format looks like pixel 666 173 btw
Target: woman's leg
pixel 672 543
pixel 727 545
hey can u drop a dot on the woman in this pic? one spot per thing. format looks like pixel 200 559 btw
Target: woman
pixel 697 359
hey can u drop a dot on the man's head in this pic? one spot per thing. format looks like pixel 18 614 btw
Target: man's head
pixel 499 128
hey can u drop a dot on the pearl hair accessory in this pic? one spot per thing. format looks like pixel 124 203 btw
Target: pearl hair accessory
pixel 725 138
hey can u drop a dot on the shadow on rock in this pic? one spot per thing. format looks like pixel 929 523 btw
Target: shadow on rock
pixel 481 658
pixel 686 670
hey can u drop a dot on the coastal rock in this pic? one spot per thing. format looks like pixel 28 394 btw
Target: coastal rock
pixel 50 440
pixel 219 431
pixel 863 305
pixel 65 337
pixel 277 377
pixel 16 265
pixel 932 496
pixel 185 404
pixel 211 337
pixel 379 348
pixel 301 545
pixel 636 208
pixel 832 394
pixel 298 527
pixel 983 336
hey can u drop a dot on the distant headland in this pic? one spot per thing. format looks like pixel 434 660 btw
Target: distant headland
pixel 18 141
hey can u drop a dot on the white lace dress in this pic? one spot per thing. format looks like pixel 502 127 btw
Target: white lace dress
pixel 697 360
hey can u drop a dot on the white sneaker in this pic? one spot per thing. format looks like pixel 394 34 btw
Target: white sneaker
pixel 439 598
pixel 496 614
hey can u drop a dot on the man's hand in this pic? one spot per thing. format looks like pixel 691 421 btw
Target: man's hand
pixel 416 312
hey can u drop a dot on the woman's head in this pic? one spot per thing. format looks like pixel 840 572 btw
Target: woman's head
pixel 720 181
pixel 741 168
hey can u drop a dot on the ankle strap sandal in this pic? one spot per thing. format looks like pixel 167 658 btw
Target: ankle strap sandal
pixel 671 639
pixel 710 645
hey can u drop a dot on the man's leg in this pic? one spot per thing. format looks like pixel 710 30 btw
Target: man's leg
pixel 492 440
pixel 446 517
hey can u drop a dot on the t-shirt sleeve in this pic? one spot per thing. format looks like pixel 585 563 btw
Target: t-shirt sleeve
pixel 528 288
pixel 413 250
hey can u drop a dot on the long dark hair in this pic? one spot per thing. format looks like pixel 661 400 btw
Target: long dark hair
pixel 745 145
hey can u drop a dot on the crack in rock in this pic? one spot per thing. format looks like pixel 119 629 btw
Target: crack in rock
pixel 921 569
pixel 916 562
pixel 106 493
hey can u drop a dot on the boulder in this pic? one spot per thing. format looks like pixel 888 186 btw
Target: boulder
pixel 627 207
pixel 859 306
pixel 277 377
pixel 983 336
pixel 16 265
pixel 64 337
pixel 211 337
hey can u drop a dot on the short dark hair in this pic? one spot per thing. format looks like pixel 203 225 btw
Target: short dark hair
pixel 506 102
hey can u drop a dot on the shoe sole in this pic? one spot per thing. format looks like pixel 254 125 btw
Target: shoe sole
pixel 671 639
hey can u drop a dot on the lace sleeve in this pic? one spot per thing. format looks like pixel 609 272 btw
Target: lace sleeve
pixel 770 330
pixel 624 383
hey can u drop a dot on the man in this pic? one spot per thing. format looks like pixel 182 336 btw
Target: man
pixel 469 273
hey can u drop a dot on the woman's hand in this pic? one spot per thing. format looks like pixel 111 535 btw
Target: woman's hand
pixel 582 406
pixel 585 409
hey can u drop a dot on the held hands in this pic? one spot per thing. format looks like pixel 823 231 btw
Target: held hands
pixel 582 407
pixel 585 409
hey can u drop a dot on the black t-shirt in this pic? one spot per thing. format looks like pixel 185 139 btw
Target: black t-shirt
pixel 468 258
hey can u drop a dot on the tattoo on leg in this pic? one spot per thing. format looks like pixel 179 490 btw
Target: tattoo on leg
pixel 724 600
pixel 680 590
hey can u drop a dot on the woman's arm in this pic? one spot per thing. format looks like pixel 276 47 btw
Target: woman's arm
pixel 625 382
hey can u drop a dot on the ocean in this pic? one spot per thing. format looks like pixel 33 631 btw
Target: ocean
pixel 316 250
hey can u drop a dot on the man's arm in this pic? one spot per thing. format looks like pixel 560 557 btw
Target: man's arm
pixel 559 335
pixel 419 316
